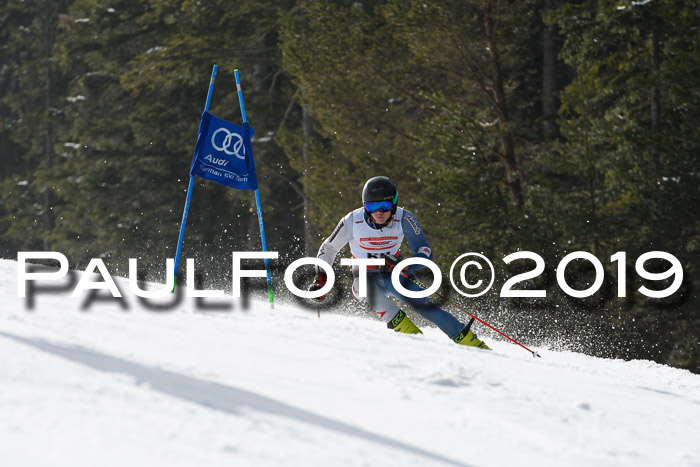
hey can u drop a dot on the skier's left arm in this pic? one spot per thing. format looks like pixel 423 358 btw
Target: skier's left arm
pixel 413 232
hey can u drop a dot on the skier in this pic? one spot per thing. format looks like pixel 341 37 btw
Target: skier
pixel 376 230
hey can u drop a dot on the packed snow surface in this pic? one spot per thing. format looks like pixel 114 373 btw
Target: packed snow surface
pixel 114 383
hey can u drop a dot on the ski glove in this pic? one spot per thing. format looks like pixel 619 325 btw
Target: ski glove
pixel 320 282
pixel 390 263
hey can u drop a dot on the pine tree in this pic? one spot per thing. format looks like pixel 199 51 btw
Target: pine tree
pixel 32 104
pixel 630 149
pixel 435 95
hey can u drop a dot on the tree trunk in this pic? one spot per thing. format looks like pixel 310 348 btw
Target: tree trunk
pixel 549 60
pixel 48 128
pixel 310 137
pixel 507 146
pixel 655 109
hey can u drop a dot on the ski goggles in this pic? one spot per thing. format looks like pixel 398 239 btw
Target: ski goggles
pixel 383 206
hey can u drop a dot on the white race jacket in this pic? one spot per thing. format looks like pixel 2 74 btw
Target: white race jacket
pixel 366 241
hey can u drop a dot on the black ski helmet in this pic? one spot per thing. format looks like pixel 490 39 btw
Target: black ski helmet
pixel 381 189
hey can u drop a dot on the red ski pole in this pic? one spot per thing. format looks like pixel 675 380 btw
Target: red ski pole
pixel 419 284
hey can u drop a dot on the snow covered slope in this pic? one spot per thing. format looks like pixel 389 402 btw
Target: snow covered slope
pixel 110 385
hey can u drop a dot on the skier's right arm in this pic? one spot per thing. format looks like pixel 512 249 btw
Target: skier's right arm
pixel 342 234
pixel 329 250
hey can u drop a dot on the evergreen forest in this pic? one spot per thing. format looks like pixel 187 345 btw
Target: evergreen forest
pixel 549 126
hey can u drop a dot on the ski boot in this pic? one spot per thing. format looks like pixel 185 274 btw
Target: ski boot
pixel 466 337
pixel 401 323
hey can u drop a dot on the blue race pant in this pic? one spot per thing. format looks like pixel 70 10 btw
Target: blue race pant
pixel 380 288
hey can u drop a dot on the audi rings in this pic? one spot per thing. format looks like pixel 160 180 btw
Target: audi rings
pixel 229 145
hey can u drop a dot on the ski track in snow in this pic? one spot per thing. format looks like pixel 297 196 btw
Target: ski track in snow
pixel 115 383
